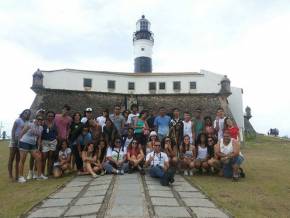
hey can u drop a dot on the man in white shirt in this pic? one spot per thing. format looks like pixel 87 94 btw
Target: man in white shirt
pixel 159 165
pixel 102 119
pixel 219 123
pixel 133 115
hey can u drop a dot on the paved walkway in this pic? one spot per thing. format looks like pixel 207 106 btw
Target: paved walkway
pixel 130 195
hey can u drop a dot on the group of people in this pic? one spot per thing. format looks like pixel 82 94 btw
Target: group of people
pixel 124 142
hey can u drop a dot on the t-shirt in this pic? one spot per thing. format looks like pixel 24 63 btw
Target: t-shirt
pixel 234 132
pixel 118 120
pixel 159 158
pixel 117 153
pixel 198 126
pixel 63 154
pixel 19 126
pixel 221 127
pixel 75 131
pixel 201 153
pixel 32 134
pixel 187 129
pixel 49 133
pixel 102 121
pixel 132 117
pixel 162 124
pixel 63 124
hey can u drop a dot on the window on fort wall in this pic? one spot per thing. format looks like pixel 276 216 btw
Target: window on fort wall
pixel 111 84
pixel 162 86
pixel 152 85
pixel 176 85
pixel 192 85
pixel 131 86
pixel 87 82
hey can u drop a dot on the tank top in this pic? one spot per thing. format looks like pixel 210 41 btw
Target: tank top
pixel 187 129
pixel 201 152
pixel 226 149
pixel 140 125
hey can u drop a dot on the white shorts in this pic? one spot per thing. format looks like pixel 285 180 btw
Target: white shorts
pixel 49 145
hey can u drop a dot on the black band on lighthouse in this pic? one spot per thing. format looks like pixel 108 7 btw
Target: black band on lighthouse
pixel 143 65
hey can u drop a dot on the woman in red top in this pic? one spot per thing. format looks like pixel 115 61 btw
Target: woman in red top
pixel 233 130
pixel 135 156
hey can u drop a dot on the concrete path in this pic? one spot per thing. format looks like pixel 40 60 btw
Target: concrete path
pixel 130 195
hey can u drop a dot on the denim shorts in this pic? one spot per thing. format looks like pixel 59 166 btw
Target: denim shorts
pixel 23 146
pixel 228 168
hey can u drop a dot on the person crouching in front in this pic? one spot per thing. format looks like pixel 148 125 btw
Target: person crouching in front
pixel 159 165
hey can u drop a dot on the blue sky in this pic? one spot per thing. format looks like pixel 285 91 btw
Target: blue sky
pixel 247 40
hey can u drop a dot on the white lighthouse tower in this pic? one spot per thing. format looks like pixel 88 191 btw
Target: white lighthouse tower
pixel 143 43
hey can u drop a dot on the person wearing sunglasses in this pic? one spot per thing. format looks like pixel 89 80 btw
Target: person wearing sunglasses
pixel 135 156
pixel 116 158
pixel 29 142
pixel 159 165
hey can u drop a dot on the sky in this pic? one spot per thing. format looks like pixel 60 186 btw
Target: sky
pixel 247 40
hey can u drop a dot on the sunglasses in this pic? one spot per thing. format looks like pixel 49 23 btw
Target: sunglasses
pixel 118 142
pixel 134 142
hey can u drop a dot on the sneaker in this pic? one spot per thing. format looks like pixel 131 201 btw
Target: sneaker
pixel 41 177
pixel 95 176
pixel 30 175
pixel 190 172
pixel 34 176
pixel 21 179
pixel 121 172
pixel 103 173
pixel 185 173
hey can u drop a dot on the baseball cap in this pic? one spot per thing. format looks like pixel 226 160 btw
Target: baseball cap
pixel 89 109
pixel 153 133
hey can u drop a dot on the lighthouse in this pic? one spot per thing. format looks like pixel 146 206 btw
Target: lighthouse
pixel 143 43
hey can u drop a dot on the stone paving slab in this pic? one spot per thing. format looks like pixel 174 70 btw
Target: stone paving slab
pixel 128 200
pixel 191 195
pixel 90 200
pixel 201 212
pixel 158 188
pixel 91 193
pixel 127 211
pixel 176 212
pixel 198 202
pixel 82 179
pixel 72 189
pixel 48 212
pixel 83 210
pixel 76 183
pixel 60 202
pixel 64 195
pixel 98 187
pixel 135 187
pixel 132 193
pixel 164 201
pixel 161 194
pixel 186 188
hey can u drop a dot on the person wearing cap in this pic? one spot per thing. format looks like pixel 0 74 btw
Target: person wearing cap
pixel 118 119
pixel 116 158
pixel 88 115
pixel 18 125
pixel 152 139
pixel 159 165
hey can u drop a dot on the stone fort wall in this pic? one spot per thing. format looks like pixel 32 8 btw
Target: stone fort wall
pixel 51 99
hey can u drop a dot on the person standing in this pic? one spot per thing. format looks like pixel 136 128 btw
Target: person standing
pixel 48 142
pixel 161 124
pixel 63 122
pixel 29 142
pixel 134 114
pixel 219 123
pixel 176 128
pixel 198 123
pixel 188 127
pixel 234 130
pixel 118 119
pixel 102 119
pixel 18 125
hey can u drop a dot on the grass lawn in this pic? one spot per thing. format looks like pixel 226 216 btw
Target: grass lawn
pixel 265 192
pixel 17 198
